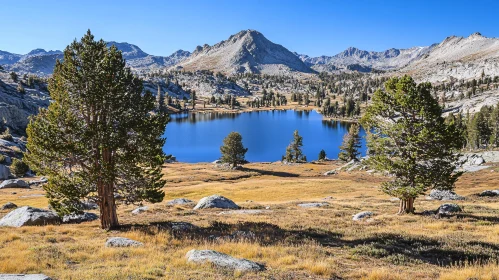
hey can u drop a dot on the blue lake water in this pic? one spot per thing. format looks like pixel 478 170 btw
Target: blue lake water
pixel 197 137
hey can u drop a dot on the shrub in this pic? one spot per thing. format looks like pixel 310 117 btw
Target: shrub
pixel 2 159
pixel 18 167
pixel 6 135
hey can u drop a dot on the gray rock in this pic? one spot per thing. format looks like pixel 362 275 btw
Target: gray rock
pixel 9 205
pixel 489 193
pixel 216 201
pixel 140 210
pixel 7 160
pixel 29 216
pixel 24 277
pixel 217 161
pixel 79 218
pixel 41 181
pixel 444 195
pixel 222 260
pixel 182 226
pixel 330 172
pixel 179 201
pixel 122 242
pixel 394 199
pixel 4 172
pixel 448 209
pixel 14 183
pixel 89 205
pixel 313 204
pixel 362 215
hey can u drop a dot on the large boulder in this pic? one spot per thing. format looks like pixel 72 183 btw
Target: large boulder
pixel 8 205
pixel 216 201
pixel 24 277
pixel 4 172
pixel 29 216
pixel 179 201
pixel 448 209
pixel 444 195
pixel 222 260
pixel 122 242
pixel 362 215
pixel 79 218
pixel 14 183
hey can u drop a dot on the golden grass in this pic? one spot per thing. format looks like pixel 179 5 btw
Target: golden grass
pixel 293 243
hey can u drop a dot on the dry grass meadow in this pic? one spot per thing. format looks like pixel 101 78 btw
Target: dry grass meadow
pixel 293 242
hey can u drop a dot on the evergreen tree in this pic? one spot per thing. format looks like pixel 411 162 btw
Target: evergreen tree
pixel 293 151
pixel 160 101
pixel 98 138
pixel 233 150
pixel 351 144
pixel 409 139
pixel 322 155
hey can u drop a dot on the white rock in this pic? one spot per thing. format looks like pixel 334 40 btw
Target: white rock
pixel 14 183
pixel 122 242
pixel 215 201
pixel 140 210
pixel 222 260
pixel 29 216
pixel 362 215
pixel 24 277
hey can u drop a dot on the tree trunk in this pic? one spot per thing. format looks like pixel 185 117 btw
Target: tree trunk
pixel 108 216
pixel 406 206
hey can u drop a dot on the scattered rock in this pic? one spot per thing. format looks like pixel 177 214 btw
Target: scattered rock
pixel 41 181
pixel 330 172
pixel 448 209
pixel 140 210
pixel 428 213
pixel 243 212
pixel 14 183
pixel 489 193
pixel 217 161
pixel 24 277
pixel 122 242
pixel 179 201
pixel 216 201
pixel 79 218
pixel 9 205
pixel 444 195
pixel 4 172
pixel 394 199
pixel 29 216
pixel 267 207
pixel 362 215
pixel 182 226
pixel 89 205
pixel 222 260
pixel 313 204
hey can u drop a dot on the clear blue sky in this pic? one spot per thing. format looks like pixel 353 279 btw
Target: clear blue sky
pixel 311 27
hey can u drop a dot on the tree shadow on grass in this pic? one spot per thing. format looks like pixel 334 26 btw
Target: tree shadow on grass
pixel 269 172
pixel 396 248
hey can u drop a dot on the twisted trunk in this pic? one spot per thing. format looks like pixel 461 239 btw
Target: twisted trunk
pixel 406 206
pixel 107 204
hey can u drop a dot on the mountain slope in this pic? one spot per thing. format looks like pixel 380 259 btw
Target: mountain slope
pixel 246 51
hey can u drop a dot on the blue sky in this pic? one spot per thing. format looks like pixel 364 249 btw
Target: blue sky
pixel 311 27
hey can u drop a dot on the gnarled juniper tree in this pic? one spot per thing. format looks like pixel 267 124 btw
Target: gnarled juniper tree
pixel 99 138
pixel 408 138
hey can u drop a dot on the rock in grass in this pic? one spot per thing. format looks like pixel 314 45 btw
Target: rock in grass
pixel 9 205
pixel 362 215
pixel 79 218
pixel 140 210
pixel 222 260
pixel 24 277
pixel 216 201
pixel 448 209
pixel 29 216
pixel 330 172
pixel 179 201
pixel 313 204
pixel 244 212
pixel 14 183
pixel 489 193
pixel 122 242
pixel 444 195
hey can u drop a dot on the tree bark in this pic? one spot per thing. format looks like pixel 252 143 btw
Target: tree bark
pixel 406 206
pixel 107 205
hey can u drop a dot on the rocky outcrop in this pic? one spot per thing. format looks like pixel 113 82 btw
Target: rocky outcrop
pixel 4 172
pixel 8 205
pixel 222 260
pixel 489 193
pixel 179 201
pixel 215 201
pixel 448 209
pixel 24 277
pixel 14 183
pixel 79 218
pixel 444 195
pixel 313 204
pixel 29 216
pixel 122 242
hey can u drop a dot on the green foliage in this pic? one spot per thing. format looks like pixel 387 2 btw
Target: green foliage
pixel 351 144
pixel 293 151
pixel 6 135
pixel 322 155
pixel 233 150
pixel 2 159
pixel 18 167
pixel 408 138
pixel 98 138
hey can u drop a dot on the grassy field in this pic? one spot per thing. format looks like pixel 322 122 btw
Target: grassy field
pixel 293 242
